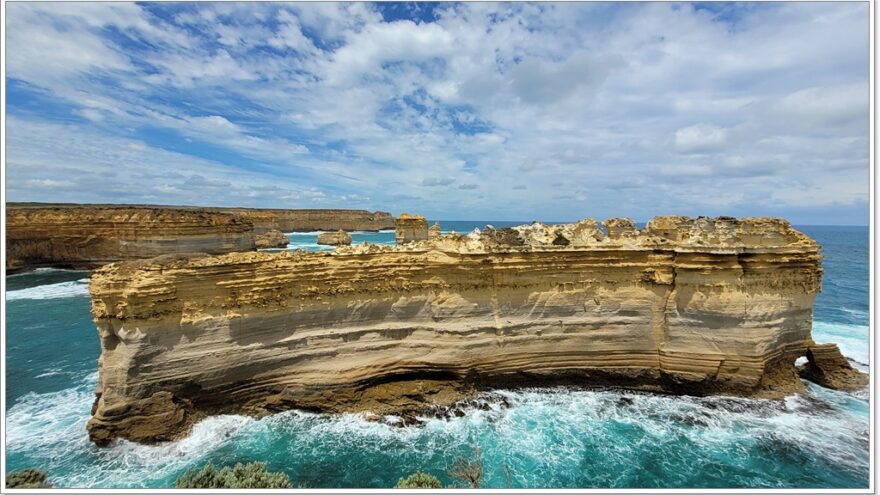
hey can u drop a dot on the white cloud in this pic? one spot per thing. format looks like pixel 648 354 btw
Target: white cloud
pixel 700 138
pixel 627 109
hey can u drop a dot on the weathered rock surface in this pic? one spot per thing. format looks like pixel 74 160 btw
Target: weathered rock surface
pixel 434 231
pixel 311 220
pixel 827 367
pixel 338 238
pixel 410 228
pixel 272 239
pixel 705 306
pixel 84 237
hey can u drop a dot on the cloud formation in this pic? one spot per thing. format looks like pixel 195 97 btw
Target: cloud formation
pixel 481 110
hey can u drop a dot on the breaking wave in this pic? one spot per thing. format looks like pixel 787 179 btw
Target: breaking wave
pixel 852 339
pixel 74 288
pixel 528 438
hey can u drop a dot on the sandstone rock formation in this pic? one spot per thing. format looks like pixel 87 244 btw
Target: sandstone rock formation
pixel 434 232
pixel 84 237
pixel 410 228
pixel 311 220
pixel 272 239
pixel 826 366
pixel 338 238
pixel 705 306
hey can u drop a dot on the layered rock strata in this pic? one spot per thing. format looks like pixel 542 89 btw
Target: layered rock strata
pixel 84 237
pixel 826 366
pixel 410 228
pixel 338 238
pixel 704 306
pixel 312 220
pixel 272 239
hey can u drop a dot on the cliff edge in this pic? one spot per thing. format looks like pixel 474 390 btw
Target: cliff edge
pixel 690 306
pixel 85 237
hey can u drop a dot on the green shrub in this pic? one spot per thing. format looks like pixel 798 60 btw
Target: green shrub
pixel 419 480
pixel 250 475
pixel 27 478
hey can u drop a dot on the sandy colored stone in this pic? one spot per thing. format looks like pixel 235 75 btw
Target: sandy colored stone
pixel 410 228
pixel 338 238
pixel 84 237
pixel 827 367
pixel 300 220
pixel 434 231
pixel 710 307
pixel 272 239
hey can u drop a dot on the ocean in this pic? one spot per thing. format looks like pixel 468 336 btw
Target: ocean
pixel 544 438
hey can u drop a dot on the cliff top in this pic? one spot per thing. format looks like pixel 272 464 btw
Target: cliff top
pixel 663 232
pixel 668 233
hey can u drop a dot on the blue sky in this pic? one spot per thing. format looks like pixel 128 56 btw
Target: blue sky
pixel 484 111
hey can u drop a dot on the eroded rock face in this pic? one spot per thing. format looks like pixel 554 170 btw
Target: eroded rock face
pixel 338 238
pixel 697 306
pixel 311 220
pixel 434 231
pixel 84 237
pixel 827 367
pixel 410 228
pixel 272 239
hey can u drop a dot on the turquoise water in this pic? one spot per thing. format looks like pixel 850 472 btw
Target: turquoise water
pixel 541 438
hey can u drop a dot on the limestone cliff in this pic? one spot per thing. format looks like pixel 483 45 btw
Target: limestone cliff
pixel 705 306
pixel 83 237
pixel 309 220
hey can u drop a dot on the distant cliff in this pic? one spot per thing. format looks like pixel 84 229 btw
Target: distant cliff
pixel 311 220
pixel 696 306
pixel 85 237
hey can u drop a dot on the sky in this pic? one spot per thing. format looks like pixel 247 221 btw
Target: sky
pixel 459 111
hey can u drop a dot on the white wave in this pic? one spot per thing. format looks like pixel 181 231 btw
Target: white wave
pixel 305 245
pixel 543 431
pixel 74 288
pixel 852 339
pixel 51 372
pixel 312 233
pixel 856 312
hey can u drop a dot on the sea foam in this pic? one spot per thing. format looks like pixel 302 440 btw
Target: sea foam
pixel 852 340
pixel 75 288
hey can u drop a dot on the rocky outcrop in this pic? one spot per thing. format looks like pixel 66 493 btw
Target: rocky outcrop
pixel 338 238
pixel 312 220
pixel 705 306
pixel 827 367
pixel 272 239
pixel 84 237
pixel 410 228
pixel 434 232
